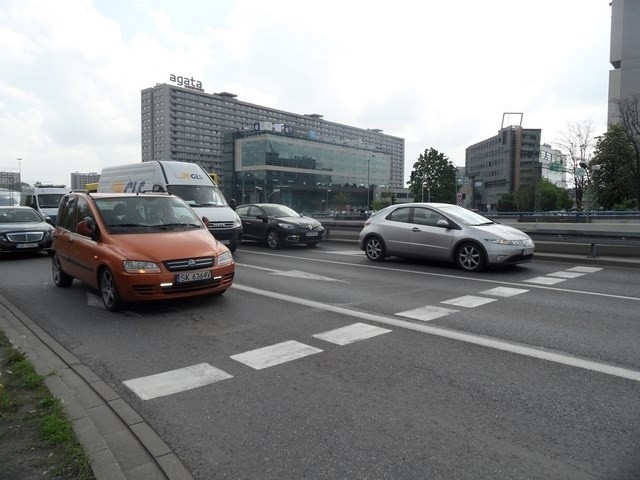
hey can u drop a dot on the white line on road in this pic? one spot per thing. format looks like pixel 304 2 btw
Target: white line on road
pixel 489 342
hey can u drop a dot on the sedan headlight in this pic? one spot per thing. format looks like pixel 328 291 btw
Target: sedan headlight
pixel 513 243
pixel 225 259
pixel 140 266
pixel 287 226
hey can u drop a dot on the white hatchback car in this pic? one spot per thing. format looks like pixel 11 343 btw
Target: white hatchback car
pixel 443 232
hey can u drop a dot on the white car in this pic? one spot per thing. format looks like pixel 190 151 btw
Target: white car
pixel 443 232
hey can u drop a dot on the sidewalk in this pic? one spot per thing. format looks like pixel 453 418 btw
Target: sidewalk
pixel 119 443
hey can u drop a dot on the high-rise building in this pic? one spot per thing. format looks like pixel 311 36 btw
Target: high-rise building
pixel 502 163
pixel 187 124
pixel 624 79
pixel 80 180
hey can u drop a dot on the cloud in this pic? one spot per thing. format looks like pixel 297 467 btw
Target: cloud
pixel 438 74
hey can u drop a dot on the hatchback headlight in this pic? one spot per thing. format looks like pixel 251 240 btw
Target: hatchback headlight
pixel 139 266
pixel 503 241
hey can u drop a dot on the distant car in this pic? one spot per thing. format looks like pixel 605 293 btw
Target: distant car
pixel 443 232
pixel 137 247
pixel 22 229
pixel 277 225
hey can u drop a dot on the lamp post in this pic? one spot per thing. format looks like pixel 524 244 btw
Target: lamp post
pixel 244 175
pixel 369 179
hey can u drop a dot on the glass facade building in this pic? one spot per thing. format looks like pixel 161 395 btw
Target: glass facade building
pixel 307 174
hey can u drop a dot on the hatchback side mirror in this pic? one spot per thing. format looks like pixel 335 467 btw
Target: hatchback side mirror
pixel 443 223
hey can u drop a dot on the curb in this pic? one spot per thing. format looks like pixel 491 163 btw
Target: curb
pixel 117 440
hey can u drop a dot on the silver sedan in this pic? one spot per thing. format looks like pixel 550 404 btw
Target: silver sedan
pixel 443 232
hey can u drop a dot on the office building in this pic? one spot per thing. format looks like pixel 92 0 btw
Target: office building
pixel 183 123
pixel 272 163
pixel 554 165
pixel 80 180
pixel 624 79
pixel 502 163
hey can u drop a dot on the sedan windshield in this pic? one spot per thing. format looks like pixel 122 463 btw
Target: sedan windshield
pixel 280 211
pixel 465 216
pixel 19 215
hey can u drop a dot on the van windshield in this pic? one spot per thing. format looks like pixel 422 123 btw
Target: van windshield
pixel 50 200
pixel 199 195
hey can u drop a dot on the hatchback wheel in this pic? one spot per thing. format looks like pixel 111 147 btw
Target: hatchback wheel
pixel 109 291
pixel 273 239
pixel 60 278
pixel 470 257
pixel 374 249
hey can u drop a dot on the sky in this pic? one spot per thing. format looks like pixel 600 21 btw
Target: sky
pixel 440 74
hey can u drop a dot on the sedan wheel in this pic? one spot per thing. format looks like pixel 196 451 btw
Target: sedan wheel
pixel 109 291
pixel 60 278
pixel 374 249
pixel 273 239
pixel 470 257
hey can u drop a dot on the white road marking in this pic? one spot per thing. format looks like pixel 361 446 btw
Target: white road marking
pixel 293 273
pixel 481 340
pixel 469 301
pixel 564 274
pixel 504 291
pixel 545 280
pixel 175 381
pixel 306 275
pixel 350 253
pixel 352 333
pixel 584 269
pixel 275 354
pixel 427 313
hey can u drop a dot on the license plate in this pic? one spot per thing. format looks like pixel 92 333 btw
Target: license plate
pixel 193 276
pixel 27 245
pixel 312 234
pixel 527 251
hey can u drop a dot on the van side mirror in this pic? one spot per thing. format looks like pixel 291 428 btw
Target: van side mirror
pixel 205 220
pixel 86 227
pixel 233 204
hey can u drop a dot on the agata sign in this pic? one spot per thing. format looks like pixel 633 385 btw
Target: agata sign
pixel 186 82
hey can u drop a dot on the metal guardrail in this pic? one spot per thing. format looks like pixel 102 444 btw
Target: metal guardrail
pixel 615 239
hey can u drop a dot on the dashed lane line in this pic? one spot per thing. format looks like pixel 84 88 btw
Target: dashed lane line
pixel 481 340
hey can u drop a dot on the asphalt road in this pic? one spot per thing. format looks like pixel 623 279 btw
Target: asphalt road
pixel 320 364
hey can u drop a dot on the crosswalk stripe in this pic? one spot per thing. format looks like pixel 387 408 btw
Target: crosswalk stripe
pixel 545 280
pixel 275 354
pixel 469 301
pixel 504 291
pixel 351 333
pixel 565 274
pixel 426 313
pixel 175 381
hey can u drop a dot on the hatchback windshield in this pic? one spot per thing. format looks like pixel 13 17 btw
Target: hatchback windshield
pixel 465 216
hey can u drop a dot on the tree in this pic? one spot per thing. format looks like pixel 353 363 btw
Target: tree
pixel 433 178
pixel 615 182
pixel 629 109
pixel 577 143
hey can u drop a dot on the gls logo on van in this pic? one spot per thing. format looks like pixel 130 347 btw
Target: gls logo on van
pixel 128 187
pixel 193 176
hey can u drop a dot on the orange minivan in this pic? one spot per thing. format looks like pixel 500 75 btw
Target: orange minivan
pixel 137 247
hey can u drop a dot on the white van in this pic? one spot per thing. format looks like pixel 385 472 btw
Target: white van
pixel 44 198
pixel 188 181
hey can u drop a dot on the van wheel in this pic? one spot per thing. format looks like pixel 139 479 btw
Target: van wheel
pixel 109 291
pixel 60 278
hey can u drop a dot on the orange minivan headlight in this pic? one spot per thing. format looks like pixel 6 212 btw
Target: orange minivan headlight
pixel 140 266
